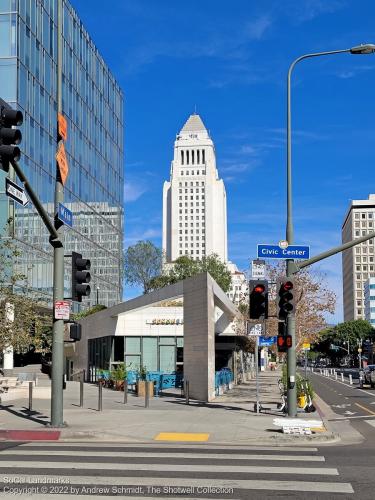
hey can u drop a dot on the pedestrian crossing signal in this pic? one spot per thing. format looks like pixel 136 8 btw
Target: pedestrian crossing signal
pixel 281 343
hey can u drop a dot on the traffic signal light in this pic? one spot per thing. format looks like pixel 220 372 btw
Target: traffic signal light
pixel 281 337
pixel 75 331
pixel 284 341
pixel 258 296
pixel 80 277
pixel 286 297
pixel 9 137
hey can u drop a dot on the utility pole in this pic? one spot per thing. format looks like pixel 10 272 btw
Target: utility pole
pixel 57 419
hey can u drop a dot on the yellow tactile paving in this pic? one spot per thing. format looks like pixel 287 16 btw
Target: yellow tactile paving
pixel 181 436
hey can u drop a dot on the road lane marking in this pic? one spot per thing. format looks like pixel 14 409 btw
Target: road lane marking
pixel 186 455
pixel 74 445
pixel 222 469
pixel 245 469
pixel 366 409
pixel 370 422
pixel 348 418
pixel 348 385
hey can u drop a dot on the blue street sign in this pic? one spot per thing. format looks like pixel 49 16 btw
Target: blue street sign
pixel 65 215
pixel 266 341
pixel 291 252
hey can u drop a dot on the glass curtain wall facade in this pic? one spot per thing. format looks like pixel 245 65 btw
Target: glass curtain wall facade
pixel 93 107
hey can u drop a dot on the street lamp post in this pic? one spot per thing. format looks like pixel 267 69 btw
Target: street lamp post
pixel 291 356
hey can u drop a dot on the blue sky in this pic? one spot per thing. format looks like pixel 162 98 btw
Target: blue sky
pixel 230 59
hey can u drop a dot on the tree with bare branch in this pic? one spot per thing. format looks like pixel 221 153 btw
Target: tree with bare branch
pixel 313 299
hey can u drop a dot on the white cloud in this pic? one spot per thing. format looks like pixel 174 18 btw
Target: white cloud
pixel 133 191
pixel 256 29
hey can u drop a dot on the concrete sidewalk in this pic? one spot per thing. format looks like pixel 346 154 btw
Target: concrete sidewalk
pixel 229 419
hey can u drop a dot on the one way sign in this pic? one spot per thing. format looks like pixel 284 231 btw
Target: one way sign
pixel 15 192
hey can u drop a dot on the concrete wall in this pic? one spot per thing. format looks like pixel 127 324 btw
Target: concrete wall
pixel 199 337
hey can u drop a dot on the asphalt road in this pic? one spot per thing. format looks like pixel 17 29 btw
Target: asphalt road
pixel 345 400
pixel 31 470
pixel 355 410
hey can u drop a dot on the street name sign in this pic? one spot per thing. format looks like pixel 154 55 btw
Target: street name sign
pixel 291 252
pixel 62 309
pixel 15 192
pixel 65 215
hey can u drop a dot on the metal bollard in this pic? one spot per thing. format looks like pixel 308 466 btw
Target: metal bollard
pixel 361 379
pixel 187 395
pixel 30 396
pixel 147 395
pixel 100 396
pixel 350 379
pixel 335 375
pixel 125 392
pixel 81 392
pixel 342 377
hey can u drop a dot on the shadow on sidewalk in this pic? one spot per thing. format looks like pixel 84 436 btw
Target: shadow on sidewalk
pixel 25 413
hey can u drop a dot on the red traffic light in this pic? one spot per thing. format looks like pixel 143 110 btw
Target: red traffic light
pixel 280 341
pixel 259 289
pixel 288 285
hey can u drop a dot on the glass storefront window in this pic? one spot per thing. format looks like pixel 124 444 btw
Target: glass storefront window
pixel 150 353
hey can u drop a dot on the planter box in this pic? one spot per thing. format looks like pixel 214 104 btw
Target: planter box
pixel 118 385
pixel 141 388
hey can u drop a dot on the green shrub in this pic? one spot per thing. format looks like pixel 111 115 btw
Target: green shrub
pixel 301 383
pixel 142 372
pixel 119 373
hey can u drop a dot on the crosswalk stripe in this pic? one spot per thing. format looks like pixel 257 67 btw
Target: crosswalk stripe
pixel 216 456
pixel 77 445
pixel 46 464
pixel 250 484
pixel 371 422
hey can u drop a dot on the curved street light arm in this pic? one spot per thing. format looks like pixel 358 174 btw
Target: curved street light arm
pixel 289 226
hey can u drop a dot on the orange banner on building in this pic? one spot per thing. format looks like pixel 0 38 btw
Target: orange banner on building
pixel 62 162
pixel 62 126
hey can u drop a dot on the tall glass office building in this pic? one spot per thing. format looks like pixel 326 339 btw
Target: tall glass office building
pixel 93 107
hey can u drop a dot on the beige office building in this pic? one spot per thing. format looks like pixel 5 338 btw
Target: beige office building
pixel 358 262
pixel 194 199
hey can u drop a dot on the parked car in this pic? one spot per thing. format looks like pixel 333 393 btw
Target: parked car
pixel 369 375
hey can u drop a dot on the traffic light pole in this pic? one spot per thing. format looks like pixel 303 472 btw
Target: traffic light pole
pixel 57 419
pixel 290 322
